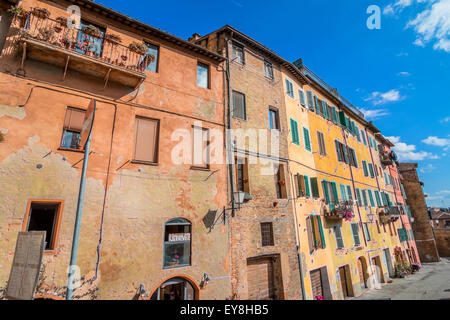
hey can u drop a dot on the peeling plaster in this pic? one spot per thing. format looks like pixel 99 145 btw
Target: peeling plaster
pixel 12 111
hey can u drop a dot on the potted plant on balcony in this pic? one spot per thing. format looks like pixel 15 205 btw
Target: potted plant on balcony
pixel 112 38
pixel 46 33
pixel 93 31
pixel 40 13
pixel 139 48
pixel 62 21
pixel 19 14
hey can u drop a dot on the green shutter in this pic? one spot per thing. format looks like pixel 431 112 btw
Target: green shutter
pixel 315 188
pixel 358 196
pixel 343 192
pixel 334 115
pixel 342 118
pixel 322 235
pixel 317 104
pixel 335 191
pixel 349 193
pixel 355 232
pixel 308 190
pixel 310 98
pixel 372 202
pixel 301 95
pixel 377 196
pixel 339 239
pixel 325 191
pixel 307 139
pixel 337 150
pixel 372 172
pixel 294 132
pixel 366 173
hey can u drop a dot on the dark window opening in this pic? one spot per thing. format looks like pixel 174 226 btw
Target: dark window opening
pixel 177 243
pixel 73 123
pixel 43 217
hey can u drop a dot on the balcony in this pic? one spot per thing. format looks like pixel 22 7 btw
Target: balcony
pixel 340 210
pixel 389 214
pixel 53 42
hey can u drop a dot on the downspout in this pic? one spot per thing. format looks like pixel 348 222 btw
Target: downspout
pixel 229 145
pixel 297 236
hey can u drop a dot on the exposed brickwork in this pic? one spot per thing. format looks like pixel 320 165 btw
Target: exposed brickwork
pixel 426 244
pixel 442 237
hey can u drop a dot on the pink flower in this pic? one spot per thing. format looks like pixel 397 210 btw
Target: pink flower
pixel 176 256
pixel 319 298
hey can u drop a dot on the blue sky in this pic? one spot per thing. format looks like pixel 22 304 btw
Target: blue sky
pixel 399 75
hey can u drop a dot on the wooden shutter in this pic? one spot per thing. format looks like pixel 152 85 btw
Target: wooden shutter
pixel 378 198
pixel 343 192
pixel 74 119
pixel 338 151
pixel 239 105
pixel 322 234
pixel 335 191
pixel 316 284
pixel 325 191
pixel 358 196
pixel 309 227
pixel 308 191
pixel 301 96
pixel 349 193
pixel 307 139
pixel 316 232
pixel 372 172
pixel 317 105
pixel 372 202
pixel 355 231
pixel 338 234
pixel 309 96
pixel 294 132
pixel 315 188
pixel 366 172
pixel 146 135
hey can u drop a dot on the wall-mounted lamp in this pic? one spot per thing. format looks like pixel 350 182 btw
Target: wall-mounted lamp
pixel 205 280
pixel 371 217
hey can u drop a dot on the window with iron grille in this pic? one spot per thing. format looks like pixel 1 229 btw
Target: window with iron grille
pixel 267 234
pixel 268 69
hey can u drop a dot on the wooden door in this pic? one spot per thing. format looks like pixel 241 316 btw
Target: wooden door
pixel 343 277
pixel 260 279
pixel 362 278
pixel 316 284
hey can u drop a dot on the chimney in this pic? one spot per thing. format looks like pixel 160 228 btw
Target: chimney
pixel 194 37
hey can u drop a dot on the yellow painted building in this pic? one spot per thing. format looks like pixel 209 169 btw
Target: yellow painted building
pixel 334 173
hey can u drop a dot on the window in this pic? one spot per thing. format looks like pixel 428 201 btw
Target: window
pixel 339 238
pixel 355 232
pixel 309 96
pixel 200 148
pixel 307 140
pixel 175 289
pixel 364 137
pixel 239 108
pixel 317 104
pixel 349 193
pixel 177 243
pixel 331 193
pixel 268 69
pixel 307 186
pixel 334 115
pixel 372 172
pixel 341 152
pixel 96 44
pixel 242 175
pixel 281 183
pixel 366 172
pixel 45 216
pixel 267 234
pixel 294 132
pixel 364 196
pixel 343 191
pixel 358 197
pixel 315 188
pixel 273 119
pixel 316 235
pixel 146 140
pixel 321 141
pixel 238 53
pixel 154 51
pixel 290 89
pixel 378 198
pixel 73 123
pixel 301 97
pixel 353 161
pixel 367 231
pixel 300 185
pixel 203 75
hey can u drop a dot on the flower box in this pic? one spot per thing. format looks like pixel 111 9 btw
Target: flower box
pixel 139 48
pixel 92 31
pixel 41 13
pixel 112 38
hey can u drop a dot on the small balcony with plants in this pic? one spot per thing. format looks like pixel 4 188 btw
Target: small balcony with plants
pixel 85 49
pixel 389 214
pixel 340 210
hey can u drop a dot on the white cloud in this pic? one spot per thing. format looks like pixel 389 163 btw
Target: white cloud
pixel 378 98
pixel 433 24
pixel 404 74
pixel 374 114
pixel 438 142
pixel 428 168
pixel 399 5
pixel 406 152
pixel 443 192
pixel 445 120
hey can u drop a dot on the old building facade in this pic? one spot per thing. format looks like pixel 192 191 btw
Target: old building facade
pixel 423 231
pixel 143 224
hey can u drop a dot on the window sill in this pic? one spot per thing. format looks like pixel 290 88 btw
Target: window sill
pixel 49 252
pixel 200 169
pixel 148 163
pixel 71 150
pixel 175 267
pixel 240 119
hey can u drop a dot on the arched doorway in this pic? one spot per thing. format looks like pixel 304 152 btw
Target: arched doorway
pixel 177 288
pixel 362 270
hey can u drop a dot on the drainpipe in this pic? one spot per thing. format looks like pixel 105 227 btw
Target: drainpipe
pixel 229 126
pixel 297 236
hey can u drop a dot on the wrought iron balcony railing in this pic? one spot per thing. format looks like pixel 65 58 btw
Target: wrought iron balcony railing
pixel 96 46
